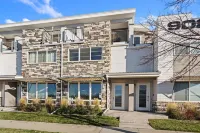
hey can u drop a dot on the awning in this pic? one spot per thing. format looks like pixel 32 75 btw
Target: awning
pixel 82 79
pixel 134 75
pixel 39 80
pixel 186 78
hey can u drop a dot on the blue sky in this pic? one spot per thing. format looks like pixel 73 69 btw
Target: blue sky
pixel 24 10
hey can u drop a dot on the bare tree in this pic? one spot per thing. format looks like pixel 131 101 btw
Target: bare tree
pixel 176 37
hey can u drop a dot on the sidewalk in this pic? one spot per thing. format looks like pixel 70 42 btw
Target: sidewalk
pixel 69 128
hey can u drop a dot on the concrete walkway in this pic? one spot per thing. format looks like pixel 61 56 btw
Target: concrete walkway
pixel 68 128
pixel 135 119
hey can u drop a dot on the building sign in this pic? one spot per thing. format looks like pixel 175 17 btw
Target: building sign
pixel 188 24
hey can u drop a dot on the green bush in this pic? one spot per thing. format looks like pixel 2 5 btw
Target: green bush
pixel 186 111
pixel 49 104
pixel 37 104
pixel 30 108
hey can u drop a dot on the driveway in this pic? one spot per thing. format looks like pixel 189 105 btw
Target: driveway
pixel 136 120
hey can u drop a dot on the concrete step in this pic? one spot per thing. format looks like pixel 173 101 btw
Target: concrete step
pixel 135 125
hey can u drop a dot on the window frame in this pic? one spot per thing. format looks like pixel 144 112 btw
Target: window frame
pixel 140 36
pixel 90 100
pixel 79 54
pixel 28 62
pixel 46 91
pixel 120 29
pixel 173 93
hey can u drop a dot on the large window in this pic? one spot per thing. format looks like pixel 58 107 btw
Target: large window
pixel 74 54
pixel 51 90
pixel 51 56
pixel 182 50
pixel 120 35
pixel 181 91
pixel 84 91
pixel 96 53
pixel 187 91
pixel 96 90
pixel 93 53
pixel 85 54
pixel 73 90
pixel 186 49
pixel 32 57
pixel 40 90
pixel 42 57
pixel 31 90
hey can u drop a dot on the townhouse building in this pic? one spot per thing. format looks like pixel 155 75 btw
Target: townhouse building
pixel 93 56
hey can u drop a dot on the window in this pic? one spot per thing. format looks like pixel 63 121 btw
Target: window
pixel 120 35
pixel 73 90
pixel 31 90
pixel 52 90
pixel 181 91
pixel 96 90
pixel 85 54
pixel 74 54
pixel 32 57
pixel 51 56
pixel 194 91
pixel 41 88
pixel 96 53
pixel 196 49
pixel 84 91
pixel 182 50
pixel 41 56
pixel 136 40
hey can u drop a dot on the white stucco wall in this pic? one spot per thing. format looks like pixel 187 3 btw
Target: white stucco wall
pixel 130 59
pixel 10 63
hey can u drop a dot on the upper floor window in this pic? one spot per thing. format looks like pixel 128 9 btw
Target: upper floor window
pixel 193 48
pixel 137 40
pixel 120 35
pixel 42 57
pixel 82 54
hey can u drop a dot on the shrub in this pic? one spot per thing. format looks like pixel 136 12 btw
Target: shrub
pixel 79 102
pixel 63 106
pixel 173 111
pixel 30 108
pixel 49 105
pixel 22 104
pixel 96 102
pixel 189 111
pixel 37 104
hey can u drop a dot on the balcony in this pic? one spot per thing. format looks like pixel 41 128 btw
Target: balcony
pixel 9 46
pixel 119 36
pixel 65 35
pixel 73 35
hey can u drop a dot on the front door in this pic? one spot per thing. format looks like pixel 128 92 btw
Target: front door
pixel 118 96
pixel 143 96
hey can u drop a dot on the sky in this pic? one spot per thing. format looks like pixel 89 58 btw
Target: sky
pixel 25 10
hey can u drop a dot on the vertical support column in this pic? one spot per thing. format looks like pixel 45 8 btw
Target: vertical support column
pixel 154 90
pixel 131 105
pixel 131 32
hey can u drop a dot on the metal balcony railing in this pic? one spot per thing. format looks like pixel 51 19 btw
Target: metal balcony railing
pixel 52 36
pixel 10 46
pixel 73 35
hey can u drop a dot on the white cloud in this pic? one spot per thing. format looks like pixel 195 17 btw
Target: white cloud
pixel 25 20
pixel 144 20
pixel 42 7
pixel 9 21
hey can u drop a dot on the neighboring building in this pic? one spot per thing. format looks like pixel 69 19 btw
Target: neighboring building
pixel 99 55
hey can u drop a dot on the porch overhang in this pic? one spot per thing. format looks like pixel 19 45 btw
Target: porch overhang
pixel 38 80
pixel 10 77
pixel 82 79
pixel 134 75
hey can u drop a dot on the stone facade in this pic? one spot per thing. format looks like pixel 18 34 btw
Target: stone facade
pixel 95 35
pixel 161 107
pixel 32 43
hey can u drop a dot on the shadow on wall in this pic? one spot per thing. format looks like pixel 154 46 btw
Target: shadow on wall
pixel 10 94
pixel 136 58
pixel 165 91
